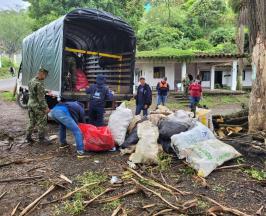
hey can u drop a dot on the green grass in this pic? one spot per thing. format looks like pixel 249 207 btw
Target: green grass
pixel 256 174
pixel 211 101
pixel 219 188
pixel 4 73
pixel 164 161
pixel 76 205
pixel 7 96
pixel 110 206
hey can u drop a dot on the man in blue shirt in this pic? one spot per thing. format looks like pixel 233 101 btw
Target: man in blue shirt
pixel 68 115
pixel 99 94
pixel 143 97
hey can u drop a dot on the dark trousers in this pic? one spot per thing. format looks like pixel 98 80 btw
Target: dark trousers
pixel 96 116
pixel 139 108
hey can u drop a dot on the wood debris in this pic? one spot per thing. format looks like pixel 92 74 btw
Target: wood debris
pixel 66 178
pixel 117 210
pixel 259 212
pixel 96 197
pixel 158 195
pixel 15 209
pixel 20 179
pixel 36 201
pixel 130 192
pixel 3 194
pixel 162 212
pixel 221 208
pixel 152 182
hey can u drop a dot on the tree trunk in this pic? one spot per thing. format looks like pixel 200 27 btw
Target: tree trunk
pixel 257 106
pixel 240 46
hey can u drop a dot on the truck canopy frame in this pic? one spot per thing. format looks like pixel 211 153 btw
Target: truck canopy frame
pixel 82 29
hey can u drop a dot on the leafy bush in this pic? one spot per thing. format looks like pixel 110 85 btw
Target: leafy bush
pixel 6 62
pixel 222 35
pixel 152 37
pixel 201 45
pixel 225 48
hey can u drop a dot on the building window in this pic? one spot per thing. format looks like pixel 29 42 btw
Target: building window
pixel 205 75
pixel 158 72
pixel 244 75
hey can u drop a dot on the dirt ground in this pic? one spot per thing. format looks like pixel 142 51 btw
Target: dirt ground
pixel 231 187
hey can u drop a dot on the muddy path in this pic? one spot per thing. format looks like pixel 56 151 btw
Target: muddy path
pixel 231 187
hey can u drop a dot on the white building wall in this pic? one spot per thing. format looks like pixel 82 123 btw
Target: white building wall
pixel 147 72
pixel 227 78
pixel 248 79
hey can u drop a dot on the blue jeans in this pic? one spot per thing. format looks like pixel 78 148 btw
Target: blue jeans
pixel 194 101
pixel 161 100
pixel 66 121
pixel 139 108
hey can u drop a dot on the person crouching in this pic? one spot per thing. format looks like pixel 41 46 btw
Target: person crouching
pixel 68 115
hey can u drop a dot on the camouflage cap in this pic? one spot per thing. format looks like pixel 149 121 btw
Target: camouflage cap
pixel 43 70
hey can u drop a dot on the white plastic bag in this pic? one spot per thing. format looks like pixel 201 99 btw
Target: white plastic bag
pixel 205 117
pixel 119 122
pixel 180 142
pixel 147 148
pixel 205 156
pixel 182 116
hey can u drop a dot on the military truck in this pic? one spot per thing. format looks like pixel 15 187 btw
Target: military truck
pixel 90 39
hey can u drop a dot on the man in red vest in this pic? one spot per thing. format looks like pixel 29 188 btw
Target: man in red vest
pixel 162 89
pixel 195 91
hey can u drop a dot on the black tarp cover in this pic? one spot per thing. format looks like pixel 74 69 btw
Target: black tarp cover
pixel 87 29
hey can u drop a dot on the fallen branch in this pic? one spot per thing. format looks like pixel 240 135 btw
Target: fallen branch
pixel 65 178
pixel 3 194
pixel 117 210
pixel 259 212
pixel 158 195
pixel 36 201
pixel 149 206
pixel 189 204
pixel 15 209
pixel 75 191
pixel 152 182
pixel 130 192
pixel 93 199
pixel 17 162
pixel 223 208
pixel 20 179
pixel 163 211
pixel 232 166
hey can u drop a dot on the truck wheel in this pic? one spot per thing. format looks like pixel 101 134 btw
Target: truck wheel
pixel 22 100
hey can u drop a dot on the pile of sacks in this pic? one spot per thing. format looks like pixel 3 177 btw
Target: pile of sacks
pixel 177 132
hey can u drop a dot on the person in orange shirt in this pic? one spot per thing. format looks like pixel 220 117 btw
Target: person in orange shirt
pixel 162 91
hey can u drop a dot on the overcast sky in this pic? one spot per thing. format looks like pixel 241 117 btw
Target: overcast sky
pixel 13 5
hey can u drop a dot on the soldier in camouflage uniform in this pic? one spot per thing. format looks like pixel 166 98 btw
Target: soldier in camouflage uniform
pixel 37 107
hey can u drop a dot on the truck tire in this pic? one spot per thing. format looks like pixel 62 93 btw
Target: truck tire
pixel 22 100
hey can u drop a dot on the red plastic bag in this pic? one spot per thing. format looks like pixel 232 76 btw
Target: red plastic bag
pixel 96 138
pixel 81 80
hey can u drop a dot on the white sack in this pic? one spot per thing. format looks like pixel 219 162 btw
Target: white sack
pixel 147 148
pixel 119 122
pixel 205 156
pixel 183 117
pixel 133 123
pixel 180 142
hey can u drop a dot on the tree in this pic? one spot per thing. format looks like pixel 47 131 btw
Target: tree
pixel 240 37
pixel 208 12
pixel 14 27
pixel 257 26
pixel 45 11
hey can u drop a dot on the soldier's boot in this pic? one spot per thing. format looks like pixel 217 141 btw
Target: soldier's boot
pixel 29 138
pixel 44 140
